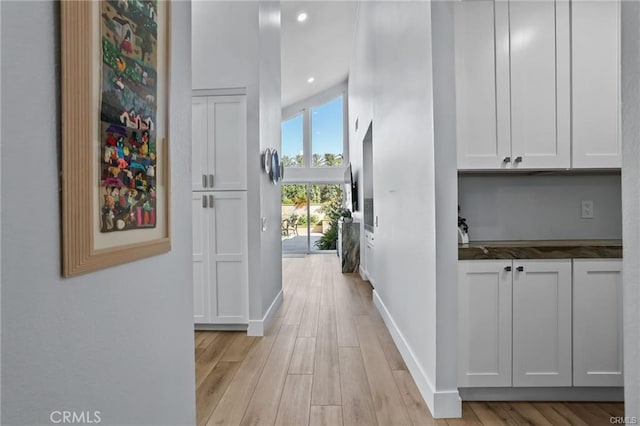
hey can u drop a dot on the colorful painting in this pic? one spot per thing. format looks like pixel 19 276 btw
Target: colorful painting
pixel 129 39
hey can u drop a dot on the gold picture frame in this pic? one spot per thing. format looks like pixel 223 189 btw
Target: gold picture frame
pixel 124 43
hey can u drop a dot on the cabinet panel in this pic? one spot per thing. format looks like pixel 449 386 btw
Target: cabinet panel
pixel 540 84
pixel 200 260
pixel 228 258
pixel 596 83
pixel 542 323
pixel 227 155
pixel 480 145
pixel 199 167
pixel 484 323
pixel 597 323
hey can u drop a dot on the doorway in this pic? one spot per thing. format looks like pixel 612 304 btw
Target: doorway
pixel 309 217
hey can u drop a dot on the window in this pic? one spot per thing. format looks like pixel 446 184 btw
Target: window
pixel 327 134
pixel 292 142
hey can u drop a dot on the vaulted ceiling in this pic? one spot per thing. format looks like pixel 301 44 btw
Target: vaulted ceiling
pixel 319 47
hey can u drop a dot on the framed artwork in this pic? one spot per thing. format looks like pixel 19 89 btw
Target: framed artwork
pixel 115 164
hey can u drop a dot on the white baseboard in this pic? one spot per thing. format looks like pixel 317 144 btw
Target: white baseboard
pixel 543 394
pixel 258 327
pixel 220 327
pixel 443 404
pixel 363 273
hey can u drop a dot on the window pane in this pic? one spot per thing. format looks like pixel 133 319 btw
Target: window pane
pixel 327 134
pixel 292 142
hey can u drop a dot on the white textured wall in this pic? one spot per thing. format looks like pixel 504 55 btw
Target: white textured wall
pixel 236 44
pixel 119 340
pixel 395 86
pixel 631 202
pixel 521 207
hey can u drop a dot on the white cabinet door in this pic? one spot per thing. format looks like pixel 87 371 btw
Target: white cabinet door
pixel 369 256
pixel 597 322
pixel 227 135
pixel 228 298
pixel 200 260
pixel 540 84
pixel 482 84
pixel 484 323
pixel 199 142
pixel 542 323
pixel 595 27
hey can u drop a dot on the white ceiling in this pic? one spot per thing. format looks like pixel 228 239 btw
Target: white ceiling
pixel 319 47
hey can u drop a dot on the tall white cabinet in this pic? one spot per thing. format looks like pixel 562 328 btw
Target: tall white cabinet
pixel 537 84
pixel 219 203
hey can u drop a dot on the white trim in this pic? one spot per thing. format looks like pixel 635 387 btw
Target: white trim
pixel 220 327
pixel 258 327
pixel 231 91
pixel 543 394
pixel 363 273
pixel 442 404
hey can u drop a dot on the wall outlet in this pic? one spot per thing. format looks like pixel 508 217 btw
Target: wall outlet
pixel 586 209
pixel 263 223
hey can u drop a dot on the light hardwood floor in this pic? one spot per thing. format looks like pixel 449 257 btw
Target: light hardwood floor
pixel 328 359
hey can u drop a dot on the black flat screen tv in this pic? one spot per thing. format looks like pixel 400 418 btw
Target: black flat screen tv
pixel 350 190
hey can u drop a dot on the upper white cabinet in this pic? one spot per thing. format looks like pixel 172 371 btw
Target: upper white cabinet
pixel 597 322
pixel 484 323
pixel 219 143
pixel 595 57
pixel 542 323
pixel 540 79
pixel 527 74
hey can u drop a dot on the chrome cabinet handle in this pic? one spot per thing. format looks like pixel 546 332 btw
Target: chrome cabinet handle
pixel 211 181
pixel 506 160
pixel 507 268
pixel 211 201
pixel 518 160
pixel 520 268
pixel 204 181
pixel 204 201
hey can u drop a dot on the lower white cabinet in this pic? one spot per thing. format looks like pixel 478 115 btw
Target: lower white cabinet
pixel 484 323
pixel 369 262
pixel 597 322
pixel 541 323
pixel 220 274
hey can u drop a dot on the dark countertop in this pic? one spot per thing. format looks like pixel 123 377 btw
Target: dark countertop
pixel 541 249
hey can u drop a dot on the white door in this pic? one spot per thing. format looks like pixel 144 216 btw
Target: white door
pixel 540 84
pixel 227 135
pixel 199 167
pixel 228 297
pixel 595 39
pixel 542 323
pixel 484 323
pixel 200 260
pixel 597 322
pixel 482 84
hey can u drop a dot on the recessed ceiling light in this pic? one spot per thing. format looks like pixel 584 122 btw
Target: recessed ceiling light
pixel 302 16
pixel 311 80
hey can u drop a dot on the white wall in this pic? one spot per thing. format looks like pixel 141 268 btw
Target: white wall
pixel 521 207
pixel 119 340
pixel 631 203
pixel 270 113
pixel 236 44
pixel 444 97
pixel 396 89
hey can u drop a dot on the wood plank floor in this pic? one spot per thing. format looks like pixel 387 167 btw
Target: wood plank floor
pixel 328 359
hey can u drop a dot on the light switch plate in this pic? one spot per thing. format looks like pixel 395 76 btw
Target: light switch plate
pixel 586 209
pixel 263 223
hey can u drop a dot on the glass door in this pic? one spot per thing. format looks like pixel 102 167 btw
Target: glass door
pixel 309 217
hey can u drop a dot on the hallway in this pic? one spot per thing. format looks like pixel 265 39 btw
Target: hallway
pixel 328 359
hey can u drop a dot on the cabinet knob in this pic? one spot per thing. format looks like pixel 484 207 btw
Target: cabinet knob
pixel 520 268
pixel 211 201
pixel 211 181
pixel 507 268
pixel 506 160
pixel 518 160
pixel 204 181
pixel 204 201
